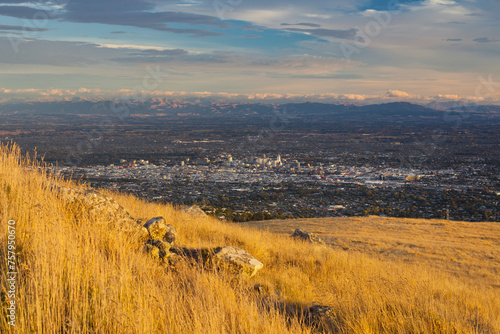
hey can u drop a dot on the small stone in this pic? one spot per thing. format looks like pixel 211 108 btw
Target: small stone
pixel 306 236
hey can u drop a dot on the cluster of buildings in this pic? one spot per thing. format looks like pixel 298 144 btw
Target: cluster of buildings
pixel 284 187
pixel 226 169
pixel 272 170
pixel 263 161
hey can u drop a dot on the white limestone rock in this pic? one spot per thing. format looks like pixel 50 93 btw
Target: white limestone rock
pixel 237 260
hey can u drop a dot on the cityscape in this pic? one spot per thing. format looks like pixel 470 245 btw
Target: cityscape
pixel 257 162
pixel 271 187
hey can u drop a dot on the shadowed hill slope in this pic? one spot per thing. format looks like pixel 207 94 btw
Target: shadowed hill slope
pixel 78 274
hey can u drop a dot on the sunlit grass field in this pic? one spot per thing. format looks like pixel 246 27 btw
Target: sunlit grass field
pixel 77 274
pixel 469 251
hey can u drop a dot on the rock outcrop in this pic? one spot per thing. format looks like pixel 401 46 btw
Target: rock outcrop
pixel 96 203
pixel 157 236
pixel 159 241
pixel 306 236
pixel 101 207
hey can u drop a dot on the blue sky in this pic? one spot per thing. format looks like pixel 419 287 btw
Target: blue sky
pixel 319 50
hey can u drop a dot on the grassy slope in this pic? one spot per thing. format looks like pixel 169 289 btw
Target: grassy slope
pixel 79 276
pixel 468 251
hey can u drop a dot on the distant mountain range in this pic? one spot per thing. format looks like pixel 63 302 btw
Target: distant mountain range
pixel 158 107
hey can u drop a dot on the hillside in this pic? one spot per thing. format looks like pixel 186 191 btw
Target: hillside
pixel 469 251
pixel 77 273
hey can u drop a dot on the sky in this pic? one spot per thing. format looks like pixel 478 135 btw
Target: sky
pixel 319 50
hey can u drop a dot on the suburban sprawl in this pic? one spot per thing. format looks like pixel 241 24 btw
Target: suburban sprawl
pixel 275 187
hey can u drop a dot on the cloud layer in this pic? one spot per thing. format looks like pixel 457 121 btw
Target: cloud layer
pixel 351 50
pixel 128 95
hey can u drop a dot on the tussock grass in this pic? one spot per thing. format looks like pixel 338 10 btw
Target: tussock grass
pixel 78 276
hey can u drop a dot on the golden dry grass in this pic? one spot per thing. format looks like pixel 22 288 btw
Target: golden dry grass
pixel 79 276
pixel 469 251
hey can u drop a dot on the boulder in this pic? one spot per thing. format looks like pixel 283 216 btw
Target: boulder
pixel 236 260
pixel 194 210
pixel 160 230
pixel 157 227
pixel 306 236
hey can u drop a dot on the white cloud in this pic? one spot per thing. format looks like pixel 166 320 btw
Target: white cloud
pixel 132 46
pixel 47 95
pixel 318 16
pixel 399 93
